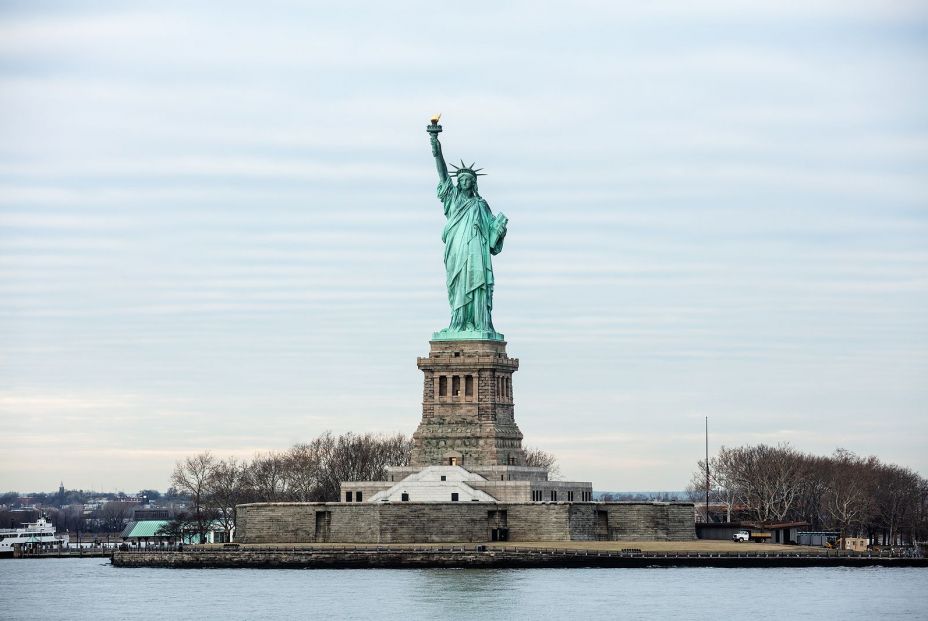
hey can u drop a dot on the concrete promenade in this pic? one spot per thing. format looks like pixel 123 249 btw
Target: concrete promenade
pixel 66 553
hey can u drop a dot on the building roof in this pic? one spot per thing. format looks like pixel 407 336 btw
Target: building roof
pixel 149 528
pixel 435 484
pixel 143 528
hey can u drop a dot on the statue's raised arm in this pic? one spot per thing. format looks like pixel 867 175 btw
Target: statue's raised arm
pixel 434 129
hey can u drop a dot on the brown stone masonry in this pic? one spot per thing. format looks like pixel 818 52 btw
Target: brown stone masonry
pixel 467 406
pixel 457 522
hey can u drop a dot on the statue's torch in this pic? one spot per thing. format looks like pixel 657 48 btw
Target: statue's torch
pixel 434 129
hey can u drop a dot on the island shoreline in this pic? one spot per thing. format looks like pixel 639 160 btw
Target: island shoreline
pixel 485 557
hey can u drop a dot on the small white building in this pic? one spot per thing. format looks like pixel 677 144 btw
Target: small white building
pixel 436 484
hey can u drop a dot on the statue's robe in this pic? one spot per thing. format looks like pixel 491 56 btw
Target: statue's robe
pixel 471 235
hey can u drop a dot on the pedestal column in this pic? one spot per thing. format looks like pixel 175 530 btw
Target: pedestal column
pixel 476 429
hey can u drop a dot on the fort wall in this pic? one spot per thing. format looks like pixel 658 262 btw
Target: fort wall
pixel 461 522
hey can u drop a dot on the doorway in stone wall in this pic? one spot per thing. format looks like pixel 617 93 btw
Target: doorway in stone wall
pixel 498 525
pixel 601 528
pixel 499 534
pixel 323 524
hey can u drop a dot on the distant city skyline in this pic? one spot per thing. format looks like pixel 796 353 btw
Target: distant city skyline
pixel 219 229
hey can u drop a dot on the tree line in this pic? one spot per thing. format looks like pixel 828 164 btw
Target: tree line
pixel 71 511
pixel 856 496
pixel 306 472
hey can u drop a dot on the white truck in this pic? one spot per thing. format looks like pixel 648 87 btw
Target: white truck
pixel 755 536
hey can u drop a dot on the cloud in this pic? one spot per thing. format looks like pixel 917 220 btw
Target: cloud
pixel 209 218
pixel 24 33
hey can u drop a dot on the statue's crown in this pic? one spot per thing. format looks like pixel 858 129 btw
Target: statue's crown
pixel 464 169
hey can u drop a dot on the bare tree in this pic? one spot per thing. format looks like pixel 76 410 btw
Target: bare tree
pixel 226 487
pixel 267 477
pixel 192 476
pixel 303 467
pixel 811 503
pixel 896 499
pixel 848 488
pixel 315 470
pixel 841 491
pixel 396 450
pixel 538 458
pixel 769 478
pixel 349 457
pixel 70 518
pixel 722 487
pixel 112 516
pixel 361 457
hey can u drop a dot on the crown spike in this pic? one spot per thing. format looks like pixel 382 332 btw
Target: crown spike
pixel 464 169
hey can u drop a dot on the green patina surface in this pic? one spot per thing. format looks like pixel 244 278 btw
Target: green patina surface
pixel 447 334
pixel 145 528
pixel 472 234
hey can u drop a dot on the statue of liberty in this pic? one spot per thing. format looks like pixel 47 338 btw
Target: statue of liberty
pixel 471 235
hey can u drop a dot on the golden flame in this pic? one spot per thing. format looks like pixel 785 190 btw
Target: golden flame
pixel 436 118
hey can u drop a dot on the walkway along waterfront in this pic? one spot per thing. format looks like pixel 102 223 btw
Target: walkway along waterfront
pixel 354 557
pixel 67 553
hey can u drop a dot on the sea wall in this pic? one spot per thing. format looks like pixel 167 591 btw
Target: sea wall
pixel 483 556
pixel 460 522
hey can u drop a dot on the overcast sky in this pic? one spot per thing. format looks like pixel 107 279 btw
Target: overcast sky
pixel 219 229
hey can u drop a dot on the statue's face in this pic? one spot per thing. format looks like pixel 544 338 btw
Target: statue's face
pixel 466 182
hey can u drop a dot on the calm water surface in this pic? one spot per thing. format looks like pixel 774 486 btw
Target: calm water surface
pixel 93 589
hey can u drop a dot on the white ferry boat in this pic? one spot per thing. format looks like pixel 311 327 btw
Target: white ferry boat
pixel 40 534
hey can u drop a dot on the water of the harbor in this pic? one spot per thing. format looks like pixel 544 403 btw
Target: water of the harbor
pixel 93 589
